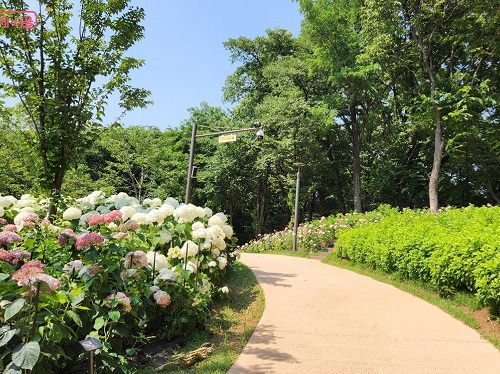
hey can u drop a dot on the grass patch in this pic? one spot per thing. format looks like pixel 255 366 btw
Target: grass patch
pixel 232 323
pixel 463 306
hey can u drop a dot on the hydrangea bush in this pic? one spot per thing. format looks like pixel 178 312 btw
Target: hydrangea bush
pixel 111 268
pixel 316 235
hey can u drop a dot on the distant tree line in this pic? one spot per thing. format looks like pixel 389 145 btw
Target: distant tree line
pixel 384 102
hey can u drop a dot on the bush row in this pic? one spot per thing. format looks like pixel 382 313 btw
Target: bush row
pixel 456 249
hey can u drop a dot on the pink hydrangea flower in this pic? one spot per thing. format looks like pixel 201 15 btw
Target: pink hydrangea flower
pixel 162 298
pixel 130 225
pixel 135 260
pixel 27 271
pixel 48 285
pixel 17 255
pixel 121 299
pixel 7 237
pixel 64 236
pixel 89 239
pixel 4 255
pixel 3 221
pixel 10 227
pixel 104 219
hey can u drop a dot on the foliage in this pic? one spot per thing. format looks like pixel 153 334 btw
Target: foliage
pixel 453 250
pixel 316 235
pixel 109 268
pixel 63 77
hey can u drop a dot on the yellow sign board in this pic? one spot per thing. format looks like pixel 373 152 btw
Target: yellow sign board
pixel 227 138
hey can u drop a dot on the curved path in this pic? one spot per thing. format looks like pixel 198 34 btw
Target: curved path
pixel 320 319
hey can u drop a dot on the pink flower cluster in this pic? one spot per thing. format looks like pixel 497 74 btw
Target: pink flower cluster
pixel 104 219
pixel 31 274
pixel 7 237
pixel 121 299
pixel 130 225
pixel 64 236
pixel 137 259
pixel 89 239
pixel 162 298
pixel 3 221
pixel 13 256
pixel 10 227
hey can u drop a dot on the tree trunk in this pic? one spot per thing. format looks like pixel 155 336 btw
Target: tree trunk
pixel 55 192
pixel 436 165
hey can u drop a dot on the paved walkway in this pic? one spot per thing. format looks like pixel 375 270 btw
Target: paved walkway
pixel 320 319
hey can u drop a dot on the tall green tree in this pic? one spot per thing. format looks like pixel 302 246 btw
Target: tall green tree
pixel 63 72
pixel 449 51
pixel 334 28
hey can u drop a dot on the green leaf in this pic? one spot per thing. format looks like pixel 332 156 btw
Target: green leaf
pixel 3 276
pixel 25 356
pixel 99 322
pixel 12 309
pixel 77 296
pixel 114 315
pixel 75 317
pixel 7 335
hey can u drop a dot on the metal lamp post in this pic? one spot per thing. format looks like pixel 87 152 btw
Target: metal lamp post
pixel 298 165
pixel 192 169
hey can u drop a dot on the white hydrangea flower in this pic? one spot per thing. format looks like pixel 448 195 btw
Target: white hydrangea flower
pixel 212 264
pixel 164 275
pixel 215 251
pixel 166 210
pixel 72 213
pixel 19 218
pixel 25 201
pixel 219 243
pixel 142 218
pixel 224 289
pixel 208 212
pixel 191 266
pixel 127 212
pixel 197 225
pixel 186 213
pixel 154 289
pixel 228 231
pixel 172 202
pixel 165 237
pixel 216 220
pixel 189 247
pixel 206 244
pixel 160 262
pixel 87 205
pixel 27 209
pixel 112 226
pixel 7 201
pixel 121 202
pixel 155 216
pixel 155 203
pixel 216 232
pixel 96 197
pixel 200 233
pixel 222 262
pixel 122 195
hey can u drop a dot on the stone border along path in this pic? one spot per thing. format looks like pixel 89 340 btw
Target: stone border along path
pixel 320 319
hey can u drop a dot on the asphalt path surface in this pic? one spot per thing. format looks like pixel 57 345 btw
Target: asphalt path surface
pixel 322 319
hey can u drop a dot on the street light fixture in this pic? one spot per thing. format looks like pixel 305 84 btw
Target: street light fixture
pixel 191 174
pixel 298 165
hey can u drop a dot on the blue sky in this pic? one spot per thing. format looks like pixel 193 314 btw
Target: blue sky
pixel 186 62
